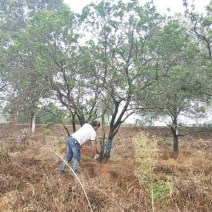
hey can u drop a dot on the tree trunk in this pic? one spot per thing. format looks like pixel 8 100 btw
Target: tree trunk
pixel 108 150
pixel 174 129
pixel 32 123
pixel 109 145
pixel 175 140
pixel 102 148
pixel 105 155
pixel 73 117
pixel 81 119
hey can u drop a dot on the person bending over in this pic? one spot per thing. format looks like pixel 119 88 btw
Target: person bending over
pixel 76 140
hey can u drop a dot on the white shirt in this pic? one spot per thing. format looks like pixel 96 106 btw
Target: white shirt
pixel 85 133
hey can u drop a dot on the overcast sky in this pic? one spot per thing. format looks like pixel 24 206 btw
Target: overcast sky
pixel 162 5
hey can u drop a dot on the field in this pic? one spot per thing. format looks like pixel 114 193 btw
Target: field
pixel 143 174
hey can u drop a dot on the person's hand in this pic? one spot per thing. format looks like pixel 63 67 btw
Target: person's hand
pixel 96 156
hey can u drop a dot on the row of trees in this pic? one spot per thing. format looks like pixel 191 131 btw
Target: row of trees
pixel 113 60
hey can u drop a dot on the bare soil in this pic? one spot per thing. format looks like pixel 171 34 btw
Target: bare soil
pixel 30 181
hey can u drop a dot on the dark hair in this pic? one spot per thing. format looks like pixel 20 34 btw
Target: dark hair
pixel 95 123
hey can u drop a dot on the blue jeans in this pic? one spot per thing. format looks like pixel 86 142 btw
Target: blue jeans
pixel 73 150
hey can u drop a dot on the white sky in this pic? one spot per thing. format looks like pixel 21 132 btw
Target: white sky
pixel 175 6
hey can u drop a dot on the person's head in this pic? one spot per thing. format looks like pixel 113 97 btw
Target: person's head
pixel 95 125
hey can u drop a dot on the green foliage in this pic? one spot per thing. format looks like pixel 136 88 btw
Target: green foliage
pixel 47 128
pixel 157 190
pixel 43 117
pixel 161 190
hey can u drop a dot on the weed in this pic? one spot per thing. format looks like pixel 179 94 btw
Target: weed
pixel 4 155
pixel 165 143
pixel 147 151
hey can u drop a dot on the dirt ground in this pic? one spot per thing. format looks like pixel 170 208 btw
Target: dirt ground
pixel 30 181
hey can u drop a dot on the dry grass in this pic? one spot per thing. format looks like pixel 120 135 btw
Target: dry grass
pixel 142 175
pixel 158 188
pixel 191 174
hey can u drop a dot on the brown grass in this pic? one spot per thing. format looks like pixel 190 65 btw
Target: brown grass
pixel 29 178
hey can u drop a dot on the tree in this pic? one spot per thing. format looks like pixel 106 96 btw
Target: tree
pixel 202 26
pixel 15 65
pixel 177 93
pixel 120 42
pixel 63 64
pixel 201 29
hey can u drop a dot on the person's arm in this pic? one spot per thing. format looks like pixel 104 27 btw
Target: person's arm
pixel 94 149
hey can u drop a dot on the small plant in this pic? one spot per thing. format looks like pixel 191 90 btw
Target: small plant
pixel 147 151
pixel 4 155
pixel 161 190
pixel 166 143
